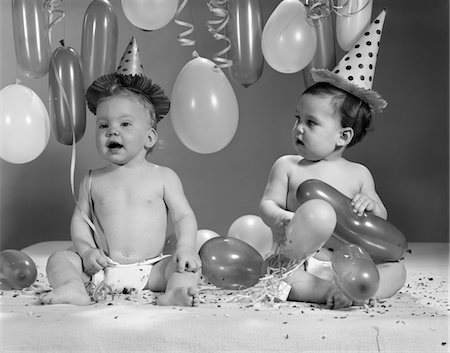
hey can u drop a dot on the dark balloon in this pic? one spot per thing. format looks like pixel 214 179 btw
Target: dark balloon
pixel 230 263
pixel 67 101
pixel 31 37
pixel 244 31
pixel 17 270
pixel 381 239
pixel 354 272
pixel 99 40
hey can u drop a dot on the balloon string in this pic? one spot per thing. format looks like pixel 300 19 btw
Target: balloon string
pixel 73 158
pixel 217 7
pixel 182 36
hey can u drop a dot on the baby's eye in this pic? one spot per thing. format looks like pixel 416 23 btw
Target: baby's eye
pixel 126 123
pixel 311 123
pixel 102 126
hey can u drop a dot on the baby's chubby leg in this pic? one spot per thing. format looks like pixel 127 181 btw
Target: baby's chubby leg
pixel 180 287
pixel 65 275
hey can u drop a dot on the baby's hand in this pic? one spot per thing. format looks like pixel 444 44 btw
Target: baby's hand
pixel 361 203
pixel 279 228
pixel 187 260
pixel 336 299
pixel 94 260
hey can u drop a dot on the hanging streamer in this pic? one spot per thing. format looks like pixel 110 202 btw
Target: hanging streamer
pixel 217 7
pixel 320 8
pixel 55 14
pixel 182 36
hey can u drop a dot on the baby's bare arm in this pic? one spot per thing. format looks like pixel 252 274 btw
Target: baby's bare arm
pixel 273 203
pixel 185 223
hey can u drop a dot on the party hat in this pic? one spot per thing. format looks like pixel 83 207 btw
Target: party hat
pixel 130 75
pixel 130 64
pixel 355 72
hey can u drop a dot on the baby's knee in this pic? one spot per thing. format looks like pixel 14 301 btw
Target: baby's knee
pixel 55 259
pixel 392 279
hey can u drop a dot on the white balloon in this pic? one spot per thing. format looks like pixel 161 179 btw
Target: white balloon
pixel 24 124
pixel 149 15
pixel 204 107
pixel 289 41
pixel 351 21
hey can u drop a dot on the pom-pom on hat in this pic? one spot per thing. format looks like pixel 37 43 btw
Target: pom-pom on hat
pixel 355 72
pixel 130 75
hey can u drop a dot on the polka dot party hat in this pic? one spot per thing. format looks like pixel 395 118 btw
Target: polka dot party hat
pixel 355 72
pixel 129 75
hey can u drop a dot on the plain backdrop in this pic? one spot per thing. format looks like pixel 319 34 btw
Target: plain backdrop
pixel 408 151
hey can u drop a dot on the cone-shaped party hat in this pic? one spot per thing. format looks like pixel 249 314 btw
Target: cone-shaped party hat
pixel 130 75
pixel 355 72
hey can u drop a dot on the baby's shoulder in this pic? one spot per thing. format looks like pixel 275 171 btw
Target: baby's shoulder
pixel 357 169
pixel 288 160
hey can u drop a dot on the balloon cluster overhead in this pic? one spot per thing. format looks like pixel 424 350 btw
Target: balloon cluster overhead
pixel 297 36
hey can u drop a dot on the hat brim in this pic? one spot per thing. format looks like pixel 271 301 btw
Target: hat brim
pixel 140 84
pixel 371 97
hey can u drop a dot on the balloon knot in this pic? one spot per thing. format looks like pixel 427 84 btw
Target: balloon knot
pixel 62 42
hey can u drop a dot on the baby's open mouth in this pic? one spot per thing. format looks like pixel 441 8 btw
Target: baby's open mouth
pixel 113 145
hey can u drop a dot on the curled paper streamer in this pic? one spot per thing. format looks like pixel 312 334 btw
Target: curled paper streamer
pixel 343 4
pixel 318 9
pixel 182 36
pixel 55 14
pixel 217 7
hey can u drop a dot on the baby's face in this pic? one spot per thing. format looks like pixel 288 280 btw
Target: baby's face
pixel 122 131
pixel 317 127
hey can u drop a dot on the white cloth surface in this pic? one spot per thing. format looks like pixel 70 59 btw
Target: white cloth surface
pixel 413 320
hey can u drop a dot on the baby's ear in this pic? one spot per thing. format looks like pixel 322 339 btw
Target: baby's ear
pixel 152 137
pixel 345 136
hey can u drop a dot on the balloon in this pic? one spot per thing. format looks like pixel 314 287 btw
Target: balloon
pixel 325 56
pixel 288 40
pixel 352 20
pixel 31 37
pixel 254 232
pixel 149 15
pixel 381 239
pixel 244 30
pixel 24 124
pixel 67 100
pixel 99 40
pixel 204 108
pixel 203 235
pixel 312 225
pixel 354 272
pixel 230 263
pixel 17 270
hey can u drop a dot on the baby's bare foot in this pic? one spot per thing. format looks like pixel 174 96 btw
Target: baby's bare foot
pixel 69 293
pixel 180 296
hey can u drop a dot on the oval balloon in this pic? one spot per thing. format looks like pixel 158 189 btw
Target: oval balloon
pixel 381 239
pixel 149 15
pixel 204 108
pixel 244 30
pixel 31 37
pixel 253 231
pixel 17 270
pixel 288 40
pixel 99 40
pixel 24 124
pixel 354 272
pixel 352 19
pixel 67 100
pixel 325 55
pixel 230 263
pixel 312 225
pixel 203 235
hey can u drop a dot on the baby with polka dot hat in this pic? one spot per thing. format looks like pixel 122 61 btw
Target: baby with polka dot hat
pixel 332 115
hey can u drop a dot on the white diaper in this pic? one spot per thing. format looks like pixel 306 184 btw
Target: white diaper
pixel 320 268
pixel 126 276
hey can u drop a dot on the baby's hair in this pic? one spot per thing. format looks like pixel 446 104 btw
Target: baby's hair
pixel 354 112
pixel 116 90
